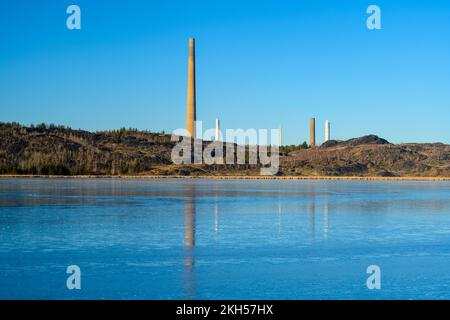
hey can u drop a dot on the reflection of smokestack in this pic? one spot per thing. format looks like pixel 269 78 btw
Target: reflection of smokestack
pixel 217 130
pixel 312 218
pixel 189 222
pixel 312 132
pixel 327 130
pixel 189 243
pixel 280 211
pixel 325 219
pixel 190 113
pixel 216 215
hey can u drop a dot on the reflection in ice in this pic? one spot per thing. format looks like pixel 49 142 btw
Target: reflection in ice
pixel 186 238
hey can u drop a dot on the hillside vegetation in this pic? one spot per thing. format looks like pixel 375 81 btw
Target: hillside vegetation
pixel 57 150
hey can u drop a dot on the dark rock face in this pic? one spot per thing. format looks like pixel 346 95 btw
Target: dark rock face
pixel 330 143
pixel 369 139
pixel 351 169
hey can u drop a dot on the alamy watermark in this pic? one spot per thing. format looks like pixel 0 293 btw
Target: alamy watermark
pixel 374 20
pixel 241 146
pixel 74 280
pixel 73 21
pixel 374 280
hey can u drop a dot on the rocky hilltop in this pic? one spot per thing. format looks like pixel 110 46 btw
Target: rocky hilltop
pixel 56 150
pixel 370 156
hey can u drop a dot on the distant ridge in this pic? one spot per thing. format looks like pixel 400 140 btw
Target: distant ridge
pixel 368 139
pixel 58 150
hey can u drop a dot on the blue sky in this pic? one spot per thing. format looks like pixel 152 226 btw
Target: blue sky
pixel 259 64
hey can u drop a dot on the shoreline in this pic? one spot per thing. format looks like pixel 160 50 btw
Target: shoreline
pixel 231 177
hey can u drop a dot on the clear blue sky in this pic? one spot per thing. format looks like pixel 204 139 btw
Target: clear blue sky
pixel 259 64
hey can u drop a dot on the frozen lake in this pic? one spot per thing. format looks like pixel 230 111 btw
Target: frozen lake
pixel 223 239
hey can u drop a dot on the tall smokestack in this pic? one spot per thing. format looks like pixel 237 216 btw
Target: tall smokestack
pixel 217 129
pixel 190 112
pixel 327 130
pixel 312 132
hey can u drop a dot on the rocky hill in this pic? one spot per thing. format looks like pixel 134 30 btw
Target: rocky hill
pixel 370 156
pixel 59 150
pixel 55 150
